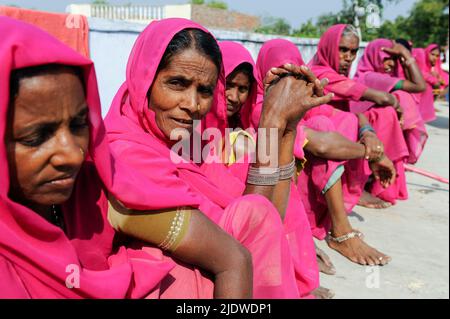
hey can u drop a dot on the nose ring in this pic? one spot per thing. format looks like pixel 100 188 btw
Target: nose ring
pixel 198 107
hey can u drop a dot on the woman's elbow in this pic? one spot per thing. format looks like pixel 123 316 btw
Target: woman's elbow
pixel 241 258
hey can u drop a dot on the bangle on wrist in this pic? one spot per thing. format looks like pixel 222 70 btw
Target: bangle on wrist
pixel 263 176
pixel 364 129
pixel 287 171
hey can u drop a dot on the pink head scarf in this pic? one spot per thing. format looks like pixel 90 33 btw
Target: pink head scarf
pixel 276 53
pixel 371 72
pixel 132 127
pixel 325 64
pixel 35 254
pixel 235 54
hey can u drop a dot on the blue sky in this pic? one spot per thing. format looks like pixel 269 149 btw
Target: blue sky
pixel 295 11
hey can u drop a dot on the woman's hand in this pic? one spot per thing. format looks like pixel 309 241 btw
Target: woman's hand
pixel 384 171
pixel 397 50
pixel 290 93
pixel 374 147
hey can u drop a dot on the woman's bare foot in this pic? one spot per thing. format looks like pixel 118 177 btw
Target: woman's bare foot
pixel 323 293
pixel 359 252
pixel 369 201
pixel 324 262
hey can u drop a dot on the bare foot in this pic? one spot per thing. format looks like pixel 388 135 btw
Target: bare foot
pixel 323 293
pixel 324 262
pixel 370 201
pixel 359 252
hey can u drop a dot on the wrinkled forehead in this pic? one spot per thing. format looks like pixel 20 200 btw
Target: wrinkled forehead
pixel 46 94
pixel 349 41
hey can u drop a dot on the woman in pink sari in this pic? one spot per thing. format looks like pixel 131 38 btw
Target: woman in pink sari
pixel 377 69
pixel 425 99
pixel 240 94
pixel 337 51
pixel 434 66
pixel 164 92
pixel 322 182
pixel 55 241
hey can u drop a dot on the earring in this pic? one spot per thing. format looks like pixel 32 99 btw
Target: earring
pixel 81 151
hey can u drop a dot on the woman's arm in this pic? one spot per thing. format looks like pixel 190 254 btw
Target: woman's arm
pixel 380 98
pixel 332 145
pixel 189 240
pixel 285 104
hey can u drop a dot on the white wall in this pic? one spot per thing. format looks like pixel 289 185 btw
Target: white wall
pixel 111 43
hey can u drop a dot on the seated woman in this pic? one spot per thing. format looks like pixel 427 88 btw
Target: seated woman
pixel 173 77
pixel 378 69
pixel 434 67
pixel 240 97
pixel 55 241
pixel 337 50
pixel 321 182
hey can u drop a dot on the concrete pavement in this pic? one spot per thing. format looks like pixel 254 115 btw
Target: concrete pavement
pixel 415 233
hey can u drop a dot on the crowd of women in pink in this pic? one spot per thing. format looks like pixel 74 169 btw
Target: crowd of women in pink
pixel 123 207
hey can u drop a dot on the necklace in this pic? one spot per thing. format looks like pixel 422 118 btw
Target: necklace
pixel 56 217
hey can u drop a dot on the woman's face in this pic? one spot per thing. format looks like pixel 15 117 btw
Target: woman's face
pixel 46 138
pixel 434 56
pixel 183 91
pixel 389 65
pixel 348 50
pixel 237 92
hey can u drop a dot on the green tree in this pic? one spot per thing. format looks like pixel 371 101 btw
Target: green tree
pixel 427 23
pixel 273 25
pixel 217 4
pixel 100 2
pixel 199 2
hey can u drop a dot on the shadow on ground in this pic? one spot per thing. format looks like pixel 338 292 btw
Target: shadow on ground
pixel 440 122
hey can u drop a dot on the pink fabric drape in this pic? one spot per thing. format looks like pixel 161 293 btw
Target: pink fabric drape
pixel 136 138
pixel 37 257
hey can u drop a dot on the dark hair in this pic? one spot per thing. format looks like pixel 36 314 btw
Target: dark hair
pixel 193 38
pixel 28 72
pixel 245 68
pixel 405 43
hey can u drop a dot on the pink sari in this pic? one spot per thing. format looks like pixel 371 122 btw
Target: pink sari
pixel 325 64
pixel 136 138
pixel 38 258
pixel 296 223
pixel 371 73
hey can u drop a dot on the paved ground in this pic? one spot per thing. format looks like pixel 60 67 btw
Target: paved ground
pixel 415 233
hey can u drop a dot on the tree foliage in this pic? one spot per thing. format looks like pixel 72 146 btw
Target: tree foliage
pixel 426 23
pixel 271 25
pixel 212 4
